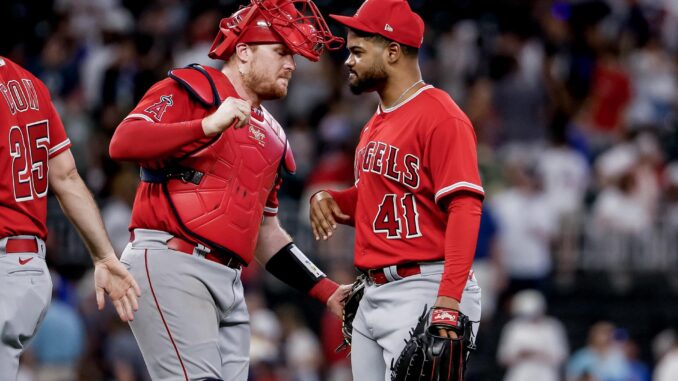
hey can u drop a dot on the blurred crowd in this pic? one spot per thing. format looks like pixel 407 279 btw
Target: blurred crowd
pixel 575 106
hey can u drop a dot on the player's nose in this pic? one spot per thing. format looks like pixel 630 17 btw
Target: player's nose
pixel 289 63
pixel 350 61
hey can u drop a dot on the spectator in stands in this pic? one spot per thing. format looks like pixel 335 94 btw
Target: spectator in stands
pixel 619 209
pixel 533 346
pixel 602 357
pixel 526 223
pixel 566 178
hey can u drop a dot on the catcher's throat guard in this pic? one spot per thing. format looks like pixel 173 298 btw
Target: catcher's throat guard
pixel 429 356
pixel 296 23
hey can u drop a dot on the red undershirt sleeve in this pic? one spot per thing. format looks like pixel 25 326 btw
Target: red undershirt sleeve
pixel 140 140
pixel 347 200
pixel 463 221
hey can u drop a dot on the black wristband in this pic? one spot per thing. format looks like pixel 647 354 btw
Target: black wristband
pixel 291 266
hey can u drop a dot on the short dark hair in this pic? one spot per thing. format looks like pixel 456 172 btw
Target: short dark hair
pixel 408 51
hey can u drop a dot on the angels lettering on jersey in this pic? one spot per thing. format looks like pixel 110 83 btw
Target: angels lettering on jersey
pixel 384 159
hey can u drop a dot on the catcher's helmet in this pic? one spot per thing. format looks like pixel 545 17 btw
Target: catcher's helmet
pixel 295 23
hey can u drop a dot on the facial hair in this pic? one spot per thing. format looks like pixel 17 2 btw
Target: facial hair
pixel 370 80
pixel 266 89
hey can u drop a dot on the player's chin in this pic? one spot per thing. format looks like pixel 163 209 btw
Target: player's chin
pixel 357 87
pixel 274 92
pixel 280 91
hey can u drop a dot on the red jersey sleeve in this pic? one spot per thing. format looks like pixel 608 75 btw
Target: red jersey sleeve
pixel 271 207
pixel 58 140
pixel 164 102
pixel 461 235
pixel 161 126
pixel 453 160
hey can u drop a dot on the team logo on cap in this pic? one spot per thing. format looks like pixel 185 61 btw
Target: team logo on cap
pixel 388 28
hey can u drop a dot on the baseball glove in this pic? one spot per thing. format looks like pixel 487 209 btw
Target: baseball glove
pixel 428 356
pixel 350 309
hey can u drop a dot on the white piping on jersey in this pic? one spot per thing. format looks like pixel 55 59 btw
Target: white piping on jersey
pixel 461 184
pixel 59 146
pixel 142 116
pixel 387 110
pixel 270 210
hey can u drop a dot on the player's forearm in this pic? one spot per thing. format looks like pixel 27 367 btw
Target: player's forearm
pixel 81 209
pixel 461 235
pixel 139 140
pixel 271 239
pixel 277 253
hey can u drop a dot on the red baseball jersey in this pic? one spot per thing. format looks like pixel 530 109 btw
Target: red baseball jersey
pixel 408 159
pixel 167 102
pixel 32 133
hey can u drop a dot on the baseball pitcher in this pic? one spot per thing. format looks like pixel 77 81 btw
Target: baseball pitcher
pixel 415 205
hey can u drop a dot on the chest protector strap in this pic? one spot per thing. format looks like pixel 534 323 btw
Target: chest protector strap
pixel 159 176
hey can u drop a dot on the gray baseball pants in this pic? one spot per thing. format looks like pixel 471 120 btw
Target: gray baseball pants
pixel 192 322
pixel 388 312
pixel 25 294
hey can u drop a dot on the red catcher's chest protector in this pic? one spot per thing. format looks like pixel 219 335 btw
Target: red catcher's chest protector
pixel 224 208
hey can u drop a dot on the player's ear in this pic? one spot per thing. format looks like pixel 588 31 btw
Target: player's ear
pixel 244 52
pixel 393 52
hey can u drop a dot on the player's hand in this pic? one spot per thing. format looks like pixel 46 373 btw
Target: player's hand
pixel 112 278
pixel 324 214
pixel 336 302
pixel 449 303
pixel 232 111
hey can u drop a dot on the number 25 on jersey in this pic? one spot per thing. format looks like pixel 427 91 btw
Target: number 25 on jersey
pixel 28 149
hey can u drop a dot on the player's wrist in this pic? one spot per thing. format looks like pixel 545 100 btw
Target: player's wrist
pixel 320 195
pixel 323 290
pixel 104 258
pixel 208 126
pixel 447 302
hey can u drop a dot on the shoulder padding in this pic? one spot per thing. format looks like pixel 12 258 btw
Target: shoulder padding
pixel 199 82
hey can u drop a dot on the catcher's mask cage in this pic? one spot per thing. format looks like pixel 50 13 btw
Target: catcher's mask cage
pixel 296 23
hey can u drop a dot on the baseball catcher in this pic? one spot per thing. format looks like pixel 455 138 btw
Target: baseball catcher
pixel 430 356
